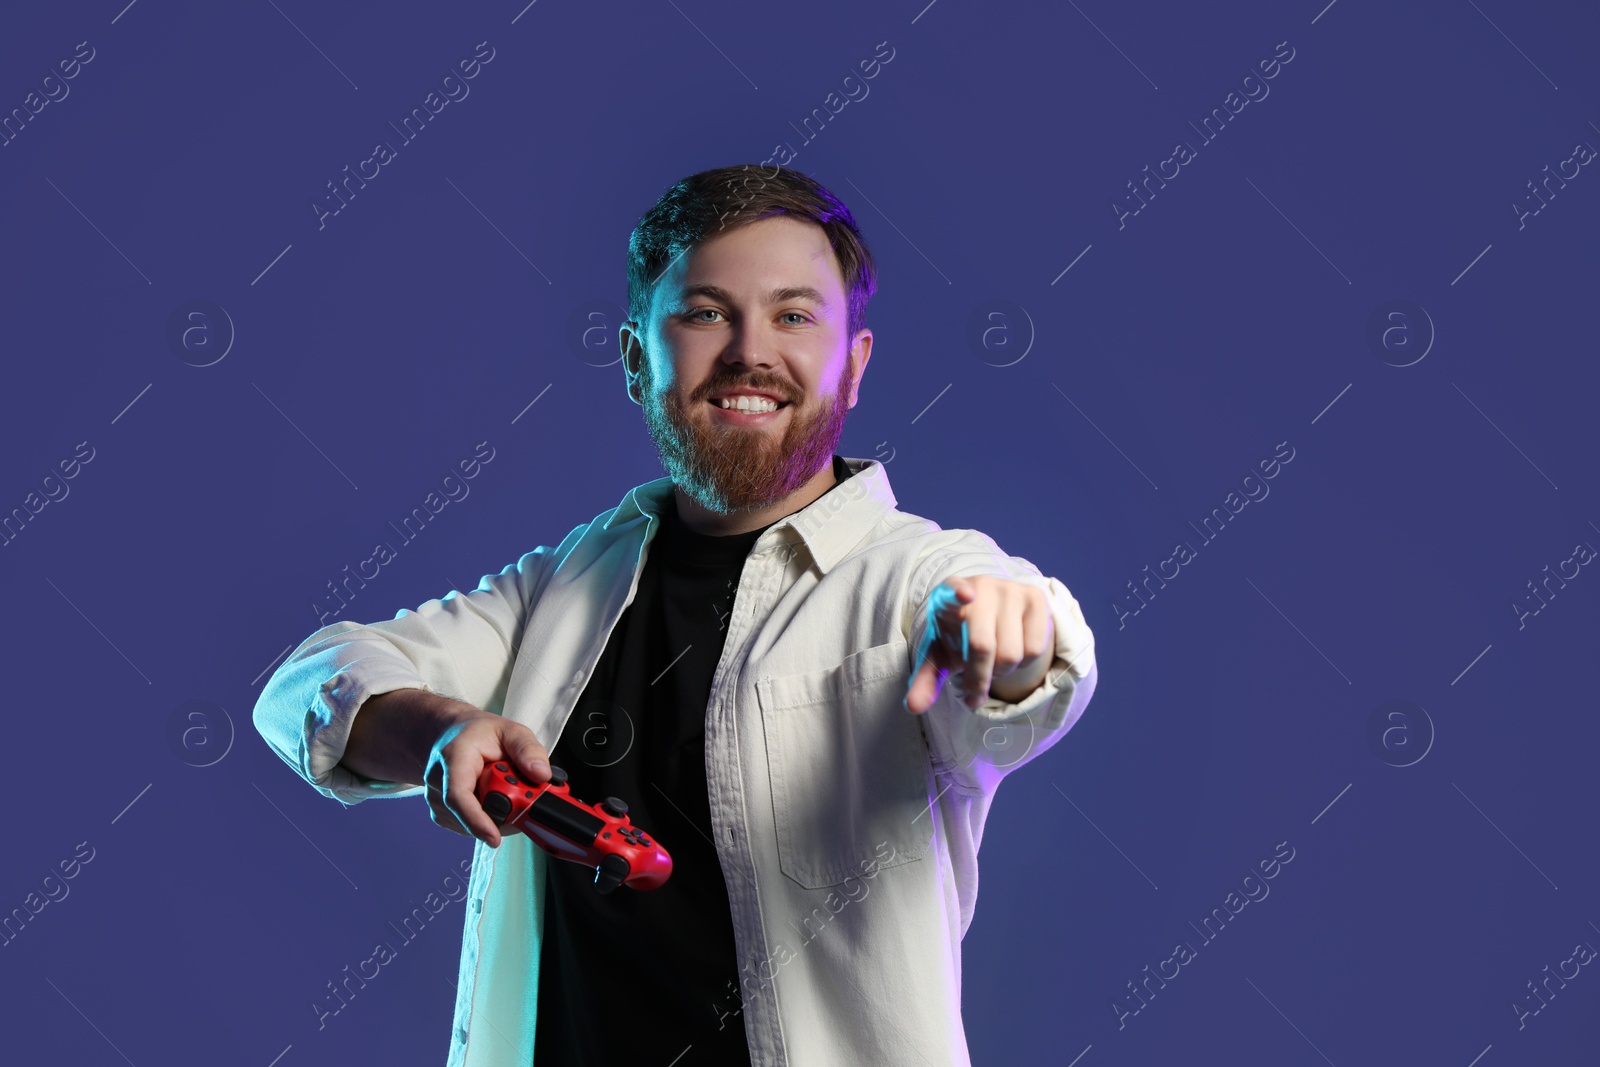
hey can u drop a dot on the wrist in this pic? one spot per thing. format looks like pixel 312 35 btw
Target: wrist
pixel 393 734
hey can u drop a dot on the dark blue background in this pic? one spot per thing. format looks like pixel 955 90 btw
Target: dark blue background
pixel 1178 351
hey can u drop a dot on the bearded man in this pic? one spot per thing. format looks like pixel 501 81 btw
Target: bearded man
pixel 754 651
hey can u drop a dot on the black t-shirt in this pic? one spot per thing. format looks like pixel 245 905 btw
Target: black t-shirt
pixel 636 977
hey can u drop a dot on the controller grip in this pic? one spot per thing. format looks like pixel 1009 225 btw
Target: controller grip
pixel 610 874
pixel 497 806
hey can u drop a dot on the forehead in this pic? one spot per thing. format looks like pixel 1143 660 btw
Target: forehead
pixel 758 258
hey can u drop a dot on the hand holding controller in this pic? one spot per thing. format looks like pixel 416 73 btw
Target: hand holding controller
pixel 599 836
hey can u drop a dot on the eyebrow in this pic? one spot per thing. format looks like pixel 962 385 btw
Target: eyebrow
pixel 773 296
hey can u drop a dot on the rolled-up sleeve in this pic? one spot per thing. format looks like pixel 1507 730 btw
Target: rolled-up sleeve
pixel 461 646
pixel 977 747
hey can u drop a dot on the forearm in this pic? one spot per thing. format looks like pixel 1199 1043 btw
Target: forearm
pixel 393 733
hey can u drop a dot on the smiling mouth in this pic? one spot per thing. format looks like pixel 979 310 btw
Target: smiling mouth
pixel 735 409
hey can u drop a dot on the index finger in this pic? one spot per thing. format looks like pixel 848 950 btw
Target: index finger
pixel 461 800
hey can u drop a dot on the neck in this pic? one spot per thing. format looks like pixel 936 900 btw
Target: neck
pixel 721 524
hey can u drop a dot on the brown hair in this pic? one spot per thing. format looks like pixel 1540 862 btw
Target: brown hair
pixel 713 201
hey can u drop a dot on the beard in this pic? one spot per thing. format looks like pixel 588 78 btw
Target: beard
pixel 728 468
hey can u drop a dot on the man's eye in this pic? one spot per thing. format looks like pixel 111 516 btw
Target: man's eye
pixel 798 314
pixel 702 311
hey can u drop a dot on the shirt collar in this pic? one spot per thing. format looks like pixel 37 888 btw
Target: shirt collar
pixel 830 526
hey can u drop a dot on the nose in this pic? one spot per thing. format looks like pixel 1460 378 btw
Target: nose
pixel 746 349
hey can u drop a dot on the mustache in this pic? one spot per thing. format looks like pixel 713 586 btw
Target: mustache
pixel 759 385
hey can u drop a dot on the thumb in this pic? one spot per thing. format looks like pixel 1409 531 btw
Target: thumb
pixel 926 681
pixel 525 752
pixel 962 588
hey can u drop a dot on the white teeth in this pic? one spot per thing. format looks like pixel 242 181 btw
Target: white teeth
pixel 748 403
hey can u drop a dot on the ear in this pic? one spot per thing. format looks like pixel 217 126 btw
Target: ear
pixel 860 352
pixel 631 345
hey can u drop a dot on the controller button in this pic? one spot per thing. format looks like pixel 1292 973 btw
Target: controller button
pixel 606 834
pixel 557 775
pixel 512 779
pixel 613 806
pixel 528 795
pixel 501 767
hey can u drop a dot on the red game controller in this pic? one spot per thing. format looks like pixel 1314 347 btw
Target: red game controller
pixel 598 836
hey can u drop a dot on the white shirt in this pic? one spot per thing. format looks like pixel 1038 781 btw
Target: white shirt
pixel 847 827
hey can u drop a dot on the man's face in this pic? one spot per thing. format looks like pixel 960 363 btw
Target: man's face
pixel 758 309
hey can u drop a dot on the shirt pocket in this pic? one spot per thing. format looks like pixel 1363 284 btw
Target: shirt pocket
pixel 848 767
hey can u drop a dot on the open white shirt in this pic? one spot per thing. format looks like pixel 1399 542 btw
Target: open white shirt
pixel 847 827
